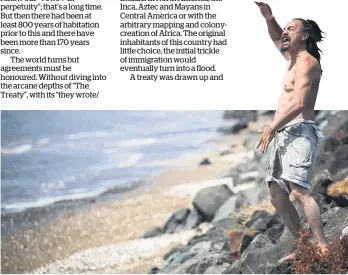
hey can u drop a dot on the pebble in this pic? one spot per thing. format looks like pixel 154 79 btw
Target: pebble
pixel 116 254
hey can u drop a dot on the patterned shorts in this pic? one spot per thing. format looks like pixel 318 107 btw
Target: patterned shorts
pixel 293 154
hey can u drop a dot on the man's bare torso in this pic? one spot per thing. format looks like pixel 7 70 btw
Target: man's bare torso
pixel 287 95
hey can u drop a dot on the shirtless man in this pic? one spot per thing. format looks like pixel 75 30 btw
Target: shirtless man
pixel 293 129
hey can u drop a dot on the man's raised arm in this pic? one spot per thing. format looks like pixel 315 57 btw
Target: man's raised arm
pixel 274 30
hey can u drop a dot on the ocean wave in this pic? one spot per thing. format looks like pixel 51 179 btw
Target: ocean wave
pixel 79 194
pixel 130 161
pixel 135 142
pixel 42 142
pixel 86 135
pixel 20 206
pixel 17 150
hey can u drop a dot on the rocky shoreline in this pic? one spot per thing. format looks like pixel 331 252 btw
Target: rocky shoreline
pixel 237 244
pixel 215 218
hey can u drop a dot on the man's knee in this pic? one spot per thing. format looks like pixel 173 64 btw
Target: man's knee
pixel 278 196
pixel 300 193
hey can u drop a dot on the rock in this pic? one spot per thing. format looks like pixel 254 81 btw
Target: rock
pixel 228 173
pixel 340 160
pixel 260 241
pixel 251 196
pixel 338 192
pixel 225 152
pixel 217 269
pixel 226 209
pixel 218 234
pixel 249 176
pixel 340 175
pixel 233 268
pixel 242 115
pixel 179 248
pixel 285 268
pixel 176 221
pixel 321 182
pixel 260 225
pixel 265 112
pixel 321 116
pixel 240 169
pixel 176 260
pixel 200 247
pixel 251 141
pixel 344 235
pixel 209 200
pixel 153 232
pixel 205 162
pixel 193 219
pixel 233 127
pixel 254 259
pixel 275 232
pixel 332 154
pixel 154 270
pixel 197 239
pixel 319 188
pixel 259 215
pixel 239 241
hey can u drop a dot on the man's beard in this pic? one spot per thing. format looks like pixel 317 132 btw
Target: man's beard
pixel 284 48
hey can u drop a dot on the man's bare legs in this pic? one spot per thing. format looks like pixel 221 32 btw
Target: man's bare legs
pixel 281 202
pixel 287 211
pixel 312 213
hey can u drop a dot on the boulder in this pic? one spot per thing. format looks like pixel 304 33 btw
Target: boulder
pixel 217 269
pixel 154 270
pixel 176 221
pixel 209 200
pixel 321 116
pixel 251 140
pixel 228 173
pixel 321 182
pixel 226 209
pixel 233 127
pixel 242 115
pixel 340 160
pixel 200 263
pixel 259 215
pixel 275 232
pixel 193 219
pixel 340 175
pixel 338 192
pixel 249 176
pixel 319 188
pixel 239 241
pixel 257 260
pixel 344 235
pixel 225 152
pixel 265 112
pixel 234 268
pixel 179 248
pixel 242 168
pixel 153 232
pixel 205 161
pixel 332 154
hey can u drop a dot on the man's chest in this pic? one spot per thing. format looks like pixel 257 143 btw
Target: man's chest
pixel 289 80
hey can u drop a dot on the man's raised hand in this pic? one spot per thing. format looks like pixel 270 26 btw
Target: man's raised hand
pixel 265 10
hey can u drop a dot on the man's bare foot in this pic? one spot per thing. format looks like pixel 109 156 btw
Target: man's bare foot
pixel 288 258
pixel 323 249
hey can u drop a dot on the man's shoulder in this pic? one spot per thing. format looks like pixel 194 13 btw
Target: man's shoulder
pixel 308 63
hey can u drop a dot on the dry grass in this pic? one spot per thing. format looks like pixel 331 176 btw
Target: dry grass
pixel 310 260
pixel 338 189
pixel 247 212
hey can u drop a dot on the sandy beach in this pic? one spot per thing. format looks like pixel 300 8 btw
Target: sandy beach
pixel 122 223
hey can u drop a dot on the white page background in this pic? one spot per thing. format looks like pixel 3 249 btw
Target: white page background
pixel 253 69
